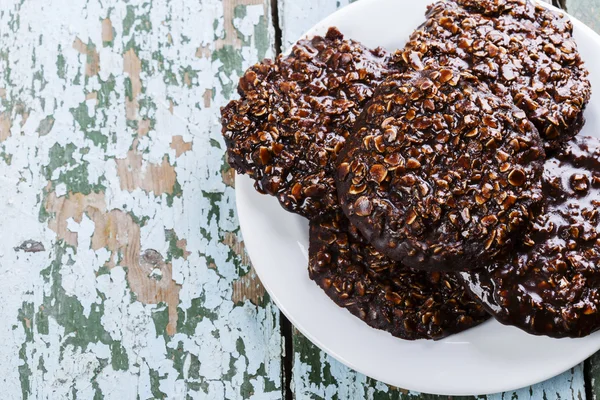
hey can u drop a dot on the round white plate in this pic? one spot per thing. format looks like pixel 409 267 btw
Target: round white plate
pixel 487 359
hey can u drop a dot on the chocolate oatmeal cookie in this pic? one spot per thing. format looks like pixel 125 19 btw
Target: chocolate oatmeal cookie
pixel 294 116
pixel 550 284
pixel 439 173
pixel 384 294
pixel 523 52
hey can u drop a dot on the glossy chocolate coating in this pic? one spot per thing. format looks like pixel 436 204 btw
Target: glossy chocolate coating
pixel 294 116
pixel 550 284
pixel 439 173
pixel 383 293
pixel 523 52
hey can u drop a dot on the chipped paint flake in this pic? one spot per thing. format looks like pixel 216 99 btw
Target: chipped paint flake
pixel 107 30
pixel 156 178
pixel 180 146
pixel 133 67
pixel 5 125
pixel 92 58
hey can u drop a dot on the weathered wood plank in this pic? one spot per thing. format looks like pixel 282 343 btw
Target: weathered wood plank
pixel 296 17
pixel 123 271
pixel 592 375
pixel 588 11
pixel 316 375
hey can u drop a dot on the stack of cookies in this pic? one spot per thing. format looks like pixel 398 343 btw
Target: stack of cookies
pixel 444 182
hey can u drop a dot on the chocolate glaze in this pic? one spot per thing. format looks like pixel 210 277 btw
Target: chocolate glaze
pixel 523 52
pixel 550 284
pixel 439 173
pixel 383 293
pixel 294 116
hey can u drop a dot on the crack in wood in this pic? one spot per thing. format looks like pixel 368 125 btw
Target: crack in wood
pixel 276 26
pixel 285 325
pixel 560 4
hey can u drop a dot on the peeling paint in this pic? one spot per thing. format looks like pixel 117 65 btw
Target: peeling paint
pixel 104 132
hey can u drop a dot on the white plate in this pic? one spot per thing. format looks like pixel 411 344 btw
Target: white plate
pixel 487 359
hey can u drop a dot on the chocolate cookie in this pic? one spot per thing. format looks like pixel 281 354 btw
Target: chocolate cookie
pixel 384 294
pixel 523 52
pixel 439 173
pixel 294 116
pixel 550 284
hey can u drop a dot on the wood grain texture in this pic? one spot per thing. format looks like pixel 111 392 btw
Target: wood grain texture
pixel 124 274
pixel 315 374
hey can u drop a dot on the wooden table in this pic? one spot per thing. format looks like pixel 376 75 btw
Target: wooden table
pixel 123 270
